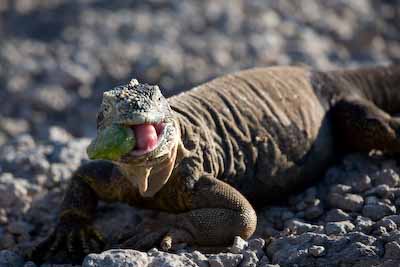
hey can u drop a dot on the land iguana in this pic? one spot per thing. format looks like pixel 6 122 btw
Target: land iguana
pixel 209 155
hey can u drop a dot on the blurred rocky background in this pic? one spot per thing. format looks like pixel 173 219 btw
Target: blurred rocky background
pixel 58 56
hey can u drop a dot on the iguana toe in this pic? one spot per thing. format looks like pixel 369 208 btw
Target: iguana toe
pixel 67 244
pixel 175 237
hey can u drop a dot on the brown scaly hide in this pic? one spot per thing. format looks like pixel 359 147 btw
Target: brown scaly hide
pixel 267 131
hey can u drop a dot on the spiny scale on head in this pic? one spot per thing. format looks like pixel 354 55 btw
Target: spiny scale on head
pixel 133 96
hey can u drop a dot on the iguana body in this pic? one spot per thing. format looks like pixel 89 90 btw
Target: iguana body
pixel 265 132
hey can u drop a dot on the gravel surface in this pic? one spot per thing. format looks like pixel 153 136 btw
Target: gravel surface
pixel 58 56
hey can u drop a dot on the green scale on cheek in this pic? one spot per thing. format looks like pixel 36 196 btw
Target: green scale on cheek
pixel 111 143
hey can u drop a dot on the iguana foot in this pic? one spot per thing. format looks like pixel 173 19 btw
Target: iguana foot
pixel 362 126
pixel 164 233
pixel 68 243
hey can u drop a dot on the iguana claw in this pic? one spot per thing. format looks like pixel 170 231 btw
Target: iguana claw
pixel 157 233
pixel 68 243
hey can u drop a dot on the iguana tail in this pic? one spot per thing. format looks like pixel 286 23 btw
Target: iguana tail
pixel 380 85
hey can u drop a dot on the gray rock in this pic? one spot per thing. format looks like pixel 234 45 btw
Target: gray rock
pixel 363 224
pixel 378 211
pixel 317 251
pixel 380 231
pixel 286 215
pixel 20 228
pixel 383 191
pixel 59 173
pixel 337 215
pixel 301 206
pixel 197 257
pixel 340 189
pixel 30 264
pixel 387 223
pixel 389 263
pixel 117 258
pixel 371 200
pixel 347 202
pixel 225 259
pixel 392 251
pixel 257 245
pixel 313 212
pixel 360 237
pixel 10 259
pixel 347 250
pixel 338 228
pixel 264 262
pixel 13 192
pixel 23 158
pixel 3 216
pixel 300 227
pixel 7 241
pixel 360 183
pixel 165 259
pixel 250 259
pixel 356 252
pixel 238 245
pixel 59 265
pixel 388 177
pixel 395 218
pixel 132 258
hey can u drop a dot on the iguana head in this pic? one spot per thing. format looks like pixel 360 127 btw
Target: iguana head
pixel 143 109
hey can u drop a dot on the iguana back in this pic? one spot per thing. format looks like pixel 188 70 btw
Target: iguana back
pixel 267 131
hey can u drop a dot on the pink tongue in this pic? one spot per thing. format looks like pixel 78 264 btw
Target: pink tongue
pixel 146 136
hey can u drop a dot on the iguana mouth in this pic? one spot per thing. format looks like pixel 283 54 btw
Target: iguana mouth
pixel 153 140
pixel 148 137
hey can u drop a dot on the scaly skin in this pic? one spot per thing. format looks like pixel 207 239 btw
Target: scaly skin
pixel 244 138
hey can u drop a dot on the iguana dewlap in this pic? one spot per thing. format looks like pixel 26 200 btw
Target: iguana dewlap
pixel 209 155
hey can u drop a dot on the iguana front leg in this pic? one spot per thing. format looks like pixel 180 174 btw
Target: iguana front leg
pixel 217 213
pixel 74 235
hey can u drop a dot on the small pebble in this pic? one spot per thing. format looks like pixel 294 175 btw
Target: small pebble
pixel 392 250
pixel 250 259
pixel 386 177
pixel 257 245
pixel 264 262
pixel 378 211
pixel 347 202
pixel 224 259
pixel 383 191
pixel 337 215
pixel 300 227
pixel 361 183
pixel 340 189
pixel 10 259
pixel 338 228
pixel 30 264
pixel 238 245
pixel 389 224
pixel 316 251
pixel 363 224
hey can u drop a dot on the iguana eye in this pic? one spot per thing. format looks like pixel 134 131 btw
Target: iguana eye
pixel 157 94
pixel 106 108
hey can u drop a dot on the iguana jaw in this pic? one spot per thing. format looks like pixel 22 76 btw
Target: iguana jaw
pixel 149 175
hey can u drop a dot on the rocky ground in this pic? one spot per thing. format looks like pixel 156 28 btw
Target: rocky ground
pixel 57 57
